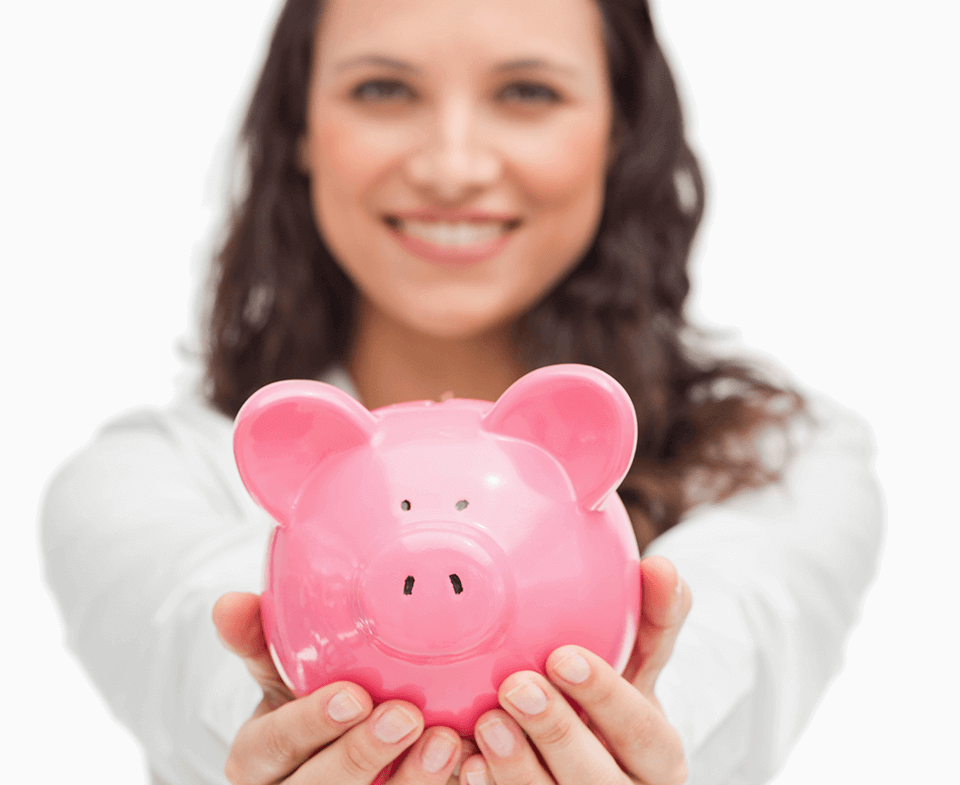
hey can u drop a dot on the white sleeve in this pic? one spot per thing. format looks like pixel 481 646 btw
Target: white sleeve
pixel 777 577
pixel 142 531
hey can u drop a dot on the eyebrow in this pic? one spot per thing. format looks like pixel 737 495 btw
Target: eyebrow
pixel 529 63
pixel 389 62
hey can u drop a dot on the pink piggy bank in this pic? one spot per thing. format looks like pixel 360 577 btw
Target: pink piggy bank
pixel 426 550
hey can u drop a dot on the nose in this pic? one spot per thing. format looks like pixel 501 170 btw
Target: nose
pixel 433 592
pixel 454 162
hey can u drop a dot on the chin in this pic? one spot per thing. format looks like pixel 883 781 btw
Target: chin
pixel 453 330
pixel 457 326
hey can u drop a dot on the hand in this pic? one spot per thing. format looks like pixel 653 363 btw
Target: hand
pixel 621 736
pixel 334 735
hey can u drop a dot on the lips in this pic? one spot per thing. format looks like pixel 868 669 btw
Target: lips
pixel 452 241
pixel 448 233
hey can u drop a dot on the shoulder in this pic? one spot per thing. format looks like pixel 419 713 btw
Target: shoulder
pixel 146 456
pixel 834 446
pixel 828 493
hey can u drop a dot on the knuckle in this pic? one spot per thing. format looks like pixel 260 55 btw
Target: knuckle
pixel 557 733
pixel 679 774
pixel 610 778
pixel 238 767
pixel 359 760
pixel 521 775
pixel 277 744
pixel 313 719
pixel 639 733
pixel 234 770
pixel 602 692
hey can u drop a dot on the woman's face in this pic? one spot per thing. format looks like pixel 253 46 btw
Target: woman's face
pixel 457 152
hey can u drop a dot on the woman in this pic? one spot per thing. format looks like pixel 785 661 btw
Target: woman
pixel 443 194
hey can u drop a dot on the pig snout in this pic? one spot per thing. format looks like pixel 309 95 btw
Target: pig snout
pixel 433 592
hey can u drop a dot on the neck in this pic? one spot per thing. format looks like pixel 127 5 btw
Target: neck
pixel 390 364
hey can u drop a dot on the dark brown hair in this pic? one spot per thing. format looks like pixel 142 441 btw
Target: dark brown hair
pixel 282 307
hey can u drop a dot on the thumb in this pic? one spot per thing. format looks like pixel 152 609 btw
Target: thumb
pixel 237 619
pixel 665 603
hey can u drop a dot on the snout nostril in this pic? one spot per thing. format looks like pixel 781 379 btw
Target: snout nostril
pixel 408 585
pixel 457 586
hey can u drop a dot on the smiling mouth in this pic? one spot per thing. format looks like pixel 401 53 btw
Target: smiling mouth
pixel 452 234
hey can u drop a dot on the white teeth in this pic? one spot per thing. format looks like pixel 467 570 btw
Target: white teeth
pixel 454 234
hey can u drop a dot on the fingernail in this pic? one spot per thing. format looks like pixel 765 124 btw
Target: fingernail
pixel 528 698
pixel 478 777
pixel 394 725
pixel 497 737
pixel 573 668
pixel 343 707
pixel 437 753
pixel 678 597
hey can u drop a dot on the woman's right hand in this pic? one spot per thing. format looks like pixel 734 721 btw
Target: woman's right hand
pixel 334 735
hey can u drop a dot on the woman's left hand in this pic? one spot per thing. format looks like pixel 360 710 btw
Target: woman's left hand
pixel 622 734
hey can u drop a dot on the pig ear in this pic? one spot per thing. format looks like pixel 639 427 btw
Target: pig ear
pixel 283 432
pixel 581 416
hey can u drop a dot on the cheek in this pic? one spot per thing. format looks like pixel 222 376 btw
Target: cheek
pixel 350 160
pixel 342 162
pixel 564 180
pixel 562 168
pixel 340 170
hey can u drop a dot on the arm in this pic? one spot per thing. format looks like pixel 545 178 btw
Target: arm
pixel 777 577
pixel 142 531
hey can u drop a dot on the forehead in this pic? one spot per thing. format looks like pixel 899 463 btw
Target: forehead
pixel 423 30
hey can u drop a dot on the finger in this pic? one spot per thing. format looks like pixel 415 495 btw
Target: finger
pixel 431 760
pixel 665 605
pixel 468 749
pixel 634 728
pixel 269 747
pixel 572 753
pixel 357 757
pixel 475 771
pixel 506 753
pixel 237 619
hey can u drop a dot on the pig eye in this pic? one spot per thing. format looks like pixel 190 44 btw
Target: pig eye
pixel 408 585
pixel 462 504
pixel 404 505
pixel 457 586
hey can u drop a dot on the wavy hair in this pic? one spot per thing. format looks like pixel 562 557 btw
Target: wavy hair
pixel 282 308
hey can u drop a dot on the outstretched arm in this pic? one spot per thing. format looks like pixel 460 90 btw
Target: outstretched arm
pixel 779 576
pixel 142 531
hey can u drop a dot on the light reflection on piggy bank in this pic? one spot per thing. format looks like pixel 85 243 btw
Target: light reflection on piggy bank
pixel 425 550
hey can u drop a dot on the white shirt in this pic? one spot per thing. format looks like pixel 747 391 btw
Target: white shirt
pixel 149 524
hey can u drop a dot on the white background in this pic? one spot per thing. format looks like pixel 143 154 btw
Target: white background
pixel 829 131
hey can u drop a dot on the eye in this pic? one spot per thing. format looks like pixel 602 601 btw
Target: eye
pixel 531 93
pixel 462 504
pixel 404 505
pixel 380 90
